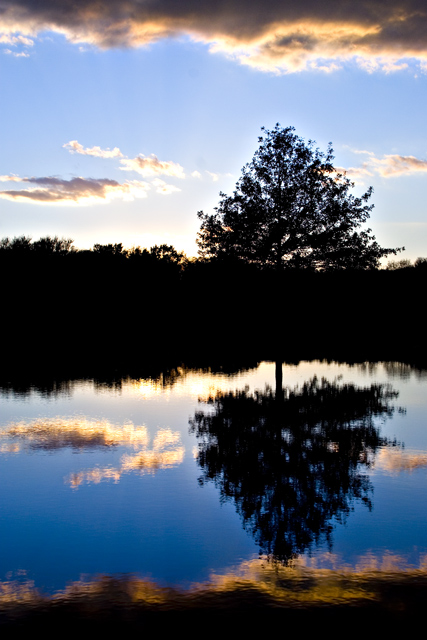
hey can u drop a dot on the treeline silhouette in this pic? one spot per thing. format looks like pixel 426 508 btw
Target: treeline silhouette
pixel 112 304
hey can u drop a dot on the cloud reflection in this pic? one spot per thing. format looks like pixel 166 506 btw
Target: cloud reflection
pixel 77 433
pixel 395 461
pixel 82 435
pixel 167 452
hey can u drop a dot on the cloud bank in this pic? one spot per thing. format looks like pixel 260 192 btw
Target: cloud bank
pixel 51 190
pixel 273 36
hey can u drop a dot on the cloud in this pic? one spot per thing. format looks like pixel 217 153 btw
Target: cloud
pixel 388 166
pixel 214 176
pixel 10 178
pixel 75 147
pixel 268 35
pixel 51 190
pixel 16 41
pixel 359 151
pixel 152 166
pixel 395 165
pixel 162 187
pixel 16 54
pixel 357 174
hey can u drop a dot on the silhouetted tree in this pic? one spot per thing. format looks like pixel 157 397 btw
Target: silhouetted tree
pixel 421 263
pixel 291 208
pixel 394 265
pixel 292 461
pixel 109 249
pixel 56 245
pixel 18 245
pixel 46 245
pixel 168 253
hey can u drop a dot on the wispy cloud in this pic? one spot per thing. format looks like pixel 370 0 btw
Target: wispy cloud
pixel 163 188
pixel 357 174
pixel 270 36
pixel 52 190
pixel 16 40
pixel 387 166
pixel 152 166
pixel 214 176
pixel 75 147
pixel 10 178
pixel 19 42
pixel 394 165
pixel 359 151
pixel 16 54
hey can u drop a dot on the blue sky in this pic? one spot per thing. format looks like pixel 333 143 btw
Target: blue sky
pixel 121 120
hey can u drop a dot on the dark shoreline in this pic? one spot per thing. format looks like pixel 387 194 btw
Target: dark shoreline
pixel 389 602
pixel 115 329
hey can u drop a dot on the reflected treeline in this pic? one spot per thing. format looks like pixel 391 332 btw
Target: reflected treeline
pixel 162 374
pixel 393 369
pixel 158 374
pixel 293 461
pixel 383 591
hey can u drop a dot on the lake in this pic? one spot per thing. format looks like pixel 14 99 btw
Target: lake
pixel 294 486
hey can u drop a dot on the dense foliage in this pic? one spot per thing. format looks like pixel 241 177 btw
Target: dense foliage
pixel 292 208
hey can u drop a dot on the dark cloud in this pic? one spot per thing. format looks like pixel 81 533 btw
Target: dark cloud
pixel 75 191
pixel 271 35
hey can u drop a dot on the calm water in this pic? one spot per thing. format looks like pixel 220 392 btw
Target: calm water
pixel 198 480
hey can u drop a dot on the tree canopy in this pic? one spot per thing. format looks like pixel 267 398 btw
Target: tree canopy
pixel 292 208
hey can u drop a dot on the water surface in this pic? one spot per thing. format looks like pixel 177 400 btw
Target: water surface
pixel 198 481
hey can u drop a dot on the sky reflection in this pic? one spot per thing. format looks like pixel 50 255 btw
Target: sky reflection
pixel 104 478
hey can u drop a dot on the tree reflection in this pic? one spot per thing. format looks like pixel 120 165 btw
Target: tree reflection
pixel 293 460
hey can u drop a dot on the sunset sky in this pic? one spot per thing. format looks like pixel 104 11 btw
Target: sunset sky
pixel 120 119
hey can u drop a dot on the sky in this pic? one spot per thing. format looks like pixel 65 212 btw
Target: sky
pixel 121 119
